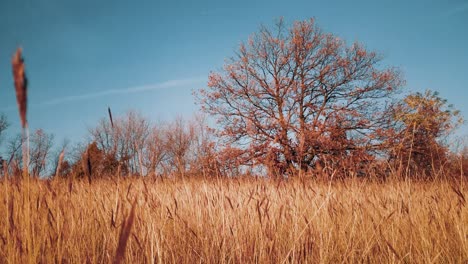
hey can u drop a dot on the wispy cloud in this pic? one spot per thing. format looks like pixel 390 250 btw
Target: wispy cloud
pixel 110 92
pixel 462 8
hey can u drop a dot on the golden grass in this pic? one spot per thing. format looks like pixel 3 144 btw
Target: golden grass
pixel 235 221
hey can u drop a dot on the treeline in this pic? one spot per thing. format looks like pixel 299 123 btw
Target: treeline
pixel 131 145
pixel 127 145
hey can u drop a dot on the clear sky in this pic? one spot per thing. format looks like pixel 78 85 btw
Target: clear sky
pixel 83 56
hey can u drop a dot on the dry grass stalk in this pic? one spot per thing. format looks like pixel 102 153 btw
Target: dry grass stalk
pixel 5 169
pixel 21 88
pixel 124 235
pixel 59 164
pixel 114 148
pixel 110 116
pixel 86 164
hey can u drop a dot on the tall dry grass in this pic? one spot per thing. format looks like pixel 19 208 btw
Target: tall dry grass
pixel 234 221
pixel 21 90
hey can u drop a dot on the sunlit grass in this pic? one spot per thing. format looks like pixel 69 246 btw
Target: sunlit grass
pixel 236 221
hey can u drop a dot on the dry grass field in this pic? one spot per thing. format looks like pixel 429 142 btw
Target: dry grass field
pixel 233 221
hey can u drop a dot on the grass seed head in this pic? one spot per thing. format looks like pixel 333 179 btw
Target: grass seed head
pixel 21 85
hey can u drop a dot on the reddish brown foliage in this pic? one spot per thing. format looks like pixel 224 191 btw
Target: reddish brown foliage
pixel 293 97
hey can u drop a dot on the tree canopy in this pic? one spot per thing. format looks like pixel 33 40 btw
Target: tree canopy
pixel 293 97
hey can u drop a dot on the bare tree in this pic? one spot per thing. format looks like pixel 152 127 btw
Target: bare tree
pixel 124 140
pixel 155 152
pixel 41 144
pixel 3 125
pixel 135 130
pixel 205 161
pixel 104 136
pixel 15 160
pixel 293 97
pixel 179 142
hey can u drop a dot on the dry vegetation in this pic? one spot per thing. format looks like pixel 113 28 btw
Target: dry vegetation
pixel 234 221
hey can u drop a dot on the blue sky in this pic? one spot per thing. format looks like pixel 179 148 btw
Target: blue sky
pixel 83 56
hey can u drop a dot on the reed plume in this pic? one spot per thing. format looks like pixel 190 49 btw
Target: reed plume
pixel 59 164
pixel 21 88
pixel 114 147
pixel 21 85
pixel 110 117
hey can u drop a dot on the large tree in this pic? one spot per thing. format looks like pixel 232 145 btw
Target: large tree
pixel 294 97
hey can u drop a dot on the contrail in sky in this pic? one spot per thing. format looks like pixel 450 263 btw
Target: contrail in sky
pixel 128 90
